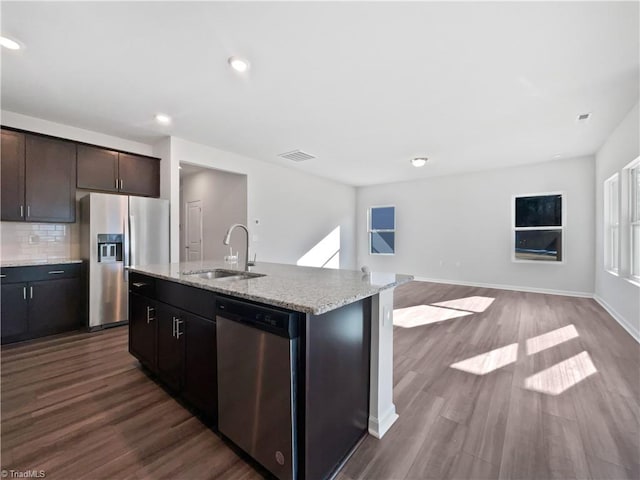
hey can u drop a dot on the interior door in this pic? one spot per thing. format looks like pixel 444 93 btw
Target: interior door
pixel 193 229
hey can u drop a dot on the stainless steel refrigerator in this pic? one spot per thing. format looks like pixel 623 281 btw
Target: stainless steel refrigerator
pixel 117 231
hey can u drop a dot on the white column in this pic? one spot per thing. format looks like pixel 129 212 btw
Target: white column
pixel 382 411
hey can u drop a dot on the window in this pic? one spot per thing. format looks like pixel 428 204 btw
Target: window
pixel 538 227
pixel 612 224
pixel 634 218
pixel 382 230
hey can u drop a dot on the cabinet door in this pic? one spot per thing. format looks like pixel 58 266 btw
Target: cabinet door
pixel 13 305
pixel 50 173
pixel 170 345
pixel 139 175
pixel 200 372
pixel 12 175
pixel 54 306
pixel 142 330
pixel 97 168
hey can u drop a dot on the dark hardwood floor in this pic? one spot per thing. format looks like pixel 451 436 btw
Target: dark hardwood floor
pixel 501 385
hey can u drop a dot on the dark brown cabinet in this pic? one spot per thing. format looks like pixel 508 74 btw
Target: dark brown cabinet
pixel 170 345
pixel 14 308
pixel 180 344
pixel 143 330
pixel 40 300
pixel 111 171
pixel 139 175
pixel 97 169
pixel 12 175
pixel 38 178
pixel 50 180
pixel 199 386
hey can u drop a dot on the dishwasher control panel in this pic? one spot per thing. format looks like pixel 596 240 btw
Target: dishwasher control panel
pixel 279 322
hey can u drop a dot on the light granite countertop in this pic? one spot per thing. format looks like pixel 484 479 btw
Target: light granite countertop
pixel 303 289
pixel 32 263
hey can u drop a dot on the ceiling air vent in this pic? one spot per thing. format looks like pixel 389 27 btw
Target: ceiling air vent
pixel 584 116
pixel 297 156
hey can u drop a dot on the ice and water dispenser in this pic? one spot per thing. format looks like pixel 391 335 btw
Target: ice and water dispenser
pixel 110 247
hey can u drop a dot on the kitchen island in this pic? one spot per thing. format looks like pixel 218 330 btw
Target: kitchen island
pixel 211 334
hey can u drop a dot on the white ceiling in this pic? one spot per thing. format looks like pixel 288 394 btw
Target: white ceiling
pixel 363 86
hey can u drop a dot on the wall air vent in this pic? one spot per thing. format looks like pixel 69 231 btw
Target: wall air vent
pixel 297 156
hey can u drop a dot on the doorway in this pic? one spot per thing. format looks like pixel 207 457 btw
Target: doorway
pixel 193 231
pixel 211 201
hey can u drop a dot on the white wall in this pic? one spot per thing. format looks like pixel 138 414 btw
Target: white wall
pixel 458 228
pixel 289 212
pixel 615 293
pixel 223 197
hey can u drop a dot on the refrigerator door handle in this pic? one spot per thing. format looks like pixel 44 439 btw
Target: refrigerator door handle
pixel 132 240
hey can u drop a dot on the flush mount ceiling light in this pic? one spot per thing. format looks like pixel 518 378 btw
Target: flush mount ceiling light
pixel 239 64
pixel 10 44
pixel 163 118
pixel 419 161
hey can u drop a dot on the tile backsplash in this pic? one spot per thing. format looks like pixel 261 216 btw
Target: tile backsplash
pixel 39 241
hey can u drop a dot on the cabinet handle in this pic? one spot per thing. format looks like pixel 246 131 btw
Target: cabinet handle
pixel 28 210
pixel 173 327
pixel 149 310
pixel 139 284
pixel 21 211
pixel 178 332
pixel 121 185
pixel 30 292
pixel 24 293
pixel 56 272
pixel 3 276
pixel 116 184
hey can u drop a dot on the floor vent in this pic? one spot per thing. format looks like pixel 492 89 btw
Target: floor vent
pixel 297 156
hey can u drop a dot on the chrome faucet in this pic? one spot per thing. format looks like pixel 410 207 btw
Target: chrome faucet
pixel 227 240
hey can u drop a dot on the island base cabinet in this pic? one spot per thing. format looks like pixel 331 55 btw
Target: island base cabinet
pixel 142 330
pixel 200 373
pixel 170 345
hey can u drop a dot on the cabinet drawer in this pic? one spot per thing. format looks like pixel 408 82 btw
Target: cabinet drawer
pixel 40 272
pixel 194 300
pixel 142 285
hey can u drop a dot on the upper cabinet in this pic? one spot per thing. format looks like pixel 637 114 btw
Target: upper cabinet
pixel 38 178
pixel 12 175
pixel 111 171
pixel 50 180
pixel 97 169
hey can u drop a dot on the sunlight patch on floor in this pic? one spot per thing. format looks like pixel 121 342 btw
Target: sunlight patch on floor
pixel 551 339
pixel 489 361
pixel 471 304
pixel 424 315
pixel 562 376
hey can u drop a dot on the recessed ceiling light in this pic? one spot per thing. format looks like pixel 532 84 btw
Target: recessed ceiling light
pixel 10 44
pixel 163 119
pixel 239 64
pixel 419 161
pixel 584 116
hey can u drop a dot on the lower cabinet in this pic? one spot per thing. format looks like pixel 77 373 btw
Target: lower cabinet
pixel 177 345
pixel 15 311
pixel 38 301
pixel 142 330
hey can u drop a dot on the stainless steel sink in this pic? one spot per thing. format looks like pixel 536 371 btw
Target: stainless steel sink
pixel 219 274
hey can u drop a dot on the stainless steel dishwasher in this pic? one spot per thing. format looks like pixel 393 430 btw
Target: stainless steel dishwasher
pixel 257 352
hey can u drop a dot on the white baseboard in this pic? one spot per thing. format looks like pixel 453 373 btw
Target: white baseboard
pixel 378 427
pixel 566 293
pixel 624 323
